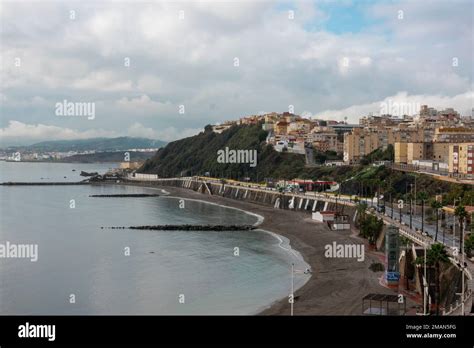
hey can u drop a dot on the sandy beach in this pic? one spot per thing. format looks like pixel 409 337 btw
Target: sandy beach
pixel 337 285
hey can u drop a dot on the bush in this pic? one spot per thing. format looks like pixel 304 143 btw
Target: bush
pixel 377 267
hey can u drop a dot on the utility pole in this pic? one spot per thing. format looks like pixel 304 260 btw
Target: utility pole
pixel 384 205
pixel 411 206
pixel 425 285
pixel 400 210
pixel 292 287
pixel 391 206
pixel 462 270
pixel 422 216
pixel 454 222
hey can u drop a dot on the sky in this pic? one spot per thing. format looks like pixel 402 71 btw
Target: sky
pixel 164 70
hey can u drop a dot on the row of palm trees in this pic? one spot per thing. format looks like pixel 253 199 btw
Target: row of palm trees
pixel 437 254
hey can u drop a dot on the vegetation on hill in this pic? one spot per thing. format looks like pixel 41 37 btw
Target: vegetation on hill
pixel 197 155
pixel 379 155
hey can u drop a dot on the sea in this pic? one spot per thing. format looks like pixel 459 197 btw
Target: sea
pixel 85 268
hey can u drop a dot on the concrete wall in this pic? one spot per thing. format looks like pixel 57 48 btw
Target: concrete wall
pixel 274 199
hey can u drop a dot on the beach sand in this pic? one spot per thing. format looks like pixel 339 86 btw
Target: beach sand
pixel 337 285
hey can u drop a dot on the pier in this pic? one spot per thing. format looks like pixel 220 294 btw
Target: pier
pixel 11 183
pixel 187 227
pixel 120 195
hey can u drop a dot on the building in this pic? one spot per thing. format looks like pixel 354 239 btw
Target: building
pixel 400 150
pixel 454 135
pixel 281 127
pixel 408 152
pixel 340 222
pixel 324 139
pixel 130 165
pixel 324 216
pixel 392 253
pixel 461 158
pixel 361 142
pixel 219 128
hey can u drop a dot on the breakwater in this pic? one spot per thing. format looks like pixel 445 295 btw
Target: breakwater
pixel 11 183
pixel 187 227
pixel 127 195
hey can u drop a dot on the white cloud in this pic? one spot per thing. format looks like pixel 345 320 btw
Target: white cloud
pixel 16 133
pixel 18 130
pixel 167 134
pixel 190 62
pixel 462 101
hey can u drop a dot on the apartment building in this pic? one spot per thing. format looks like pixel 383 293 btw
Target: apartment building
pixel 360 143
pixel 454 135
pixel 461 157
pixel 408 153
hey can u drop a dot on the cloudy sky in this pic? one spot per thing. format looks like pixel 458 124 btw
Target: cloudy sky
pixel 142 62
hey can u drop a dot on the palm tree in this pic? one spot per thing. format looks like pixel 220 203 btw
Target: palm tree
pixel 423 196
pixel 436 205
pixel 461 213
pixel 434 257
pixel 361 211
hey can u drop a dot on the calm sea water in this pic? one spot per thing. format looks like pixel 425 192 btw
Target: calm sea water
pixel 76 256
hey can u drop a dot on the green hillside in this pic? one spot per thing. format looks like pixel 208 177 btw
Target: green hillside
pixel 197 155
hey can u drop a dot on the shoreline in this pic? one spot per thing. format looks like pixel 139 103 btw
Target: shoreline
pixel 294 254
pixel 336 285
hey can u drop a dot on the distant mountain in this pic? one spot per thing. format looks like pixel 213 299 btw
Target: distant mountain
pixel 103 157
pixel 97 144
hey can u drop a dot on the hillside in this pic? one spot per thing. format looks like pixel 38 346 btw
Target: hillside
pixel 102 157
pixel 97 144
pixel 198 154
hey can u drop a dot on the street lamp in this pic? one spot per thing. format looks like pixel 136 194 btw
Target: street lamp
pixel 454 219
pixel 411 205
pixel 292 298
pixel 391 206
pixel 400 206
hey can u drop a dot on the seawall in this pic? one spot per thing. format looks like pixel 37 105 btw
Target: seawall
pixel 306 203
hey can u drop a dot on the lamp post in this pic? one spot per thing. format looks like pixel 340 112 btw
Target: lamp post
pixel 425 284
pixel 454 222
pixel 411 206
pixel 292 296
pixel 391 206
pixel 400 206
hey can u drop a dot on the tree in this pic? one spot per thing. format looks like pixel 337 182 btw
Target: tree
pixel 436 206
pixel 462 215
pixel 361 211
pixel 371 227
pixel 434 257
pixel 423 196
pixel 469 245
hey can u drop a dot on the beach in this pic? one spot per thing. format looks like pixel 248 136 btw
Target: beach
pixel 337 285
